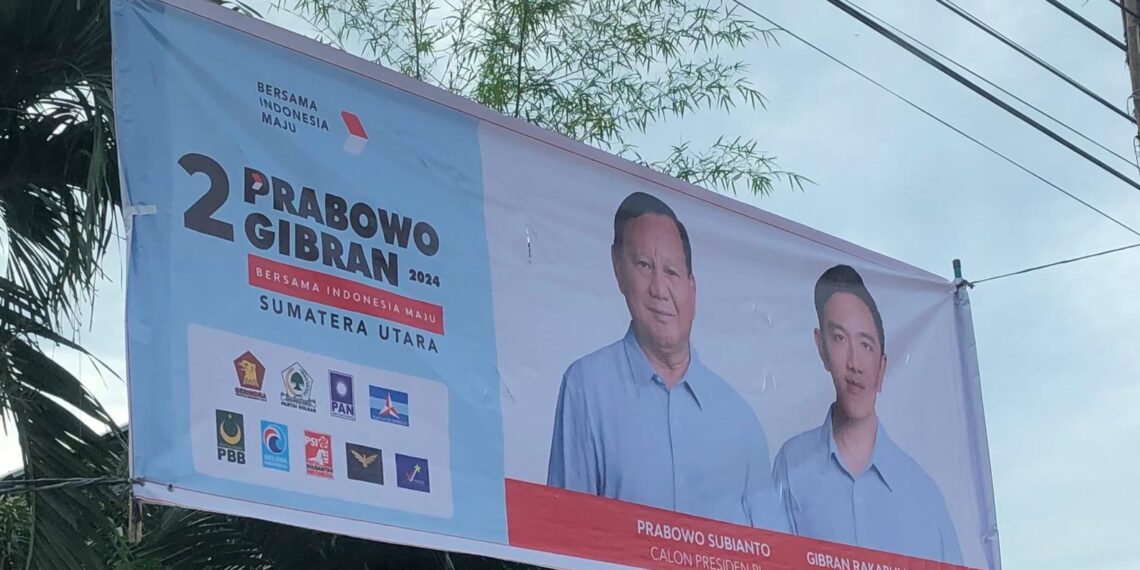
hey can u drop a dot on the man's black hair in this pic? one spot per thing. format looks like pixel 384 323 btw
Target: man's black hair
pixel 844 279
pixel 638 204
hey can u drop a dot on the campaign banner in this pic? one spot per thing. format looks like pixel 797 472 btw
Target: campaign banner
pixel 360 304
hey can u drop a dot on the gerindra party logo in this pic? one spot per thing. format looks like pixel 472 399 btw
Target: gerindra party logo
pixel 250 376
pixel 298 388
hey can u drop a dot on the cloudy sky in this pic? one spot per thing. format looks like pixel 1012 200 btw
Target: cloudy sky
pixel 1057 348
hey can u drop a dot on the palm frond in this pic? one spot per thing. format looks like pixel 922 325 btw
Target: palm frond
pixel 58 177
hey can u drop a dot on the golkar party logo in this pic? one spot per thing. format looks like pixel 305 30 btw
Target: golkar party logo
pixel 298 388
pixel 389 406
pixel 318 454
pixel 341 403
pixel 230 429
pixel 413 472
pixel 274 445
pixel 250 376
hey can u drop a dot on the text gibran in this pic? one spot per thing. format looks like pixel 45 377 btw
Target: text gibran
pixel 308 224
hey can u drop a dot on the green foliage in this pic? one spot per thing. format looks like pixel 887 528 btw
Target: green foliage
pixel 599 71
pixel 54 414
pixel 58 200
pixel 14 515
pixel 58 175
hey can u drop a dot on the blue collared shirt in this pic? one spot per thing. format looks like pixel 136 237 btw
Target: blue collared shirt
pixel 892 506
pixel 697 448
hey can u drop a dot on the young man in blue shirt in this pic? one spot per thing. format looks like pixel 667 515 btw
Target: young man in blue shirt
pixel 846 481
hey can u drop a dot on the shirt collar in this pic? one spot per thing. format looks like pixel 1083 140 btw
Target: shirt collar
pixel 694 380
pixel 882 454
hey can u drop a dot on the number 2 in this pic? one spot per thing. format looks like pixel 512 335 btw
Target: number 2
pixel 200 216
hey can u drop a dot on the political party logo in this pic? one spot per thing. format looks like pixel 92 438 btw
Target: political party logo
pixel 364 463
pixel 413 473
pixel 388 405
pixel 298 388
pixel 341 403
pixel 274 445
pixel 230 429
pixel 318 454
pixel 357 138
pixel 250 376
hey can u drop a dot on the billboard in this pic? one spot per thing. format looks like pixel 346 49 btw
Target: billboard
pixel 359 304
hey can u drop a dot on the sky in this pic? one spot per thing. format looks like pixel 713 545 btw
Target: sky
pixel 1057 353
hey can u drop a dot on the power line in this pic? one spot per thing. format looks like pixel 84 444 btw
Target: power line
pixel 1095 28
pixel 936 118
pixel 999 36
pixel 842 5
pixel 1125 8
pixel 20 486
pixel 1054 264
pixel 1130 162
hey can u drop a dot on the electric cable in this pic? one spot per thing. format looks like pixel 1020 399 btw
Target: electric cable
pixel 1054 264
pixel 1125 8
pixel 844 6
pixel 936 118
pixel 1028 54
pixel 1130 162
pixel 1095 28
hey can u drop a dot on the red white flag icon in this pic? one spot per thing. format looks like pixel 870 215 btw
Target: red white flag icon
pixel 357 138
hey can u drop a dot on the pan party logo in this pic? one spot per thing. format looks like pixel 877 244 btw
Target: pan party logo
pixel 230 429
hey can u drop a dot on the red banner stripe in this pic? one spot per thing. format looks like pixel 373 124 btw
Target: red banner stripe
pixel 576 524
pixel 343 294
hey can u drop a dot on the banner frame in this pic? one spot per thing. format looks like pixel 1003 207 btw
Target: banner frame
pixel 164 494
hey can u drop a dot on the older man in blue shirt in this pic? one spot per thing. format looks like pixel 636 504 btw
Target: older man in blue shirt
pixel 643 420
pixel 846 481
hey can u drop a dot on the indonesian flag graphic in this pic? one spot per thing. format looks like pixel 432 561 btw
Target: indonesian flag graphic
pixel 357 138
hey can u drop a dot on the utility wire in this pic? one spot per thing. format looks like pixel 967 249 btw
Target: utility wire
pixel 1095 28
pixel 935 117
pixel 1131 162
pixel 1125 8
pixel 999 36
pixel 1054 264
pixel 842 5
pixel 20 486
